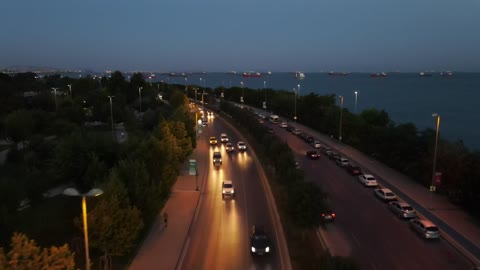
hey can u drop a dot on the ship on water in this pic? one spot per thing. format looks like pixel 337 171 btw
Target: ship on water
pixel 337 73
pixel 378 74
pixel 300 75
pixel 446 74
pixel 251 74
pixel 425 74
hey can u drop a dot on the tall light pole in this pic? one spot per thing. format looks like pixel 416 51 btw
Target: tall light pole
pixel 55 96
pixel 265 89
pixel 70 87
pixel 92 193
pixel 241 98
pixel 356 95
pixel 111 115
pixel 341 115
pixel 435 115
pixel 186 85
pixel 140 97
pixel 295 105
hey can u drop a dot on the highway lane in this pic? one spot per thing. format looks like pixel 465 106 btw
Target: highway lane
pixel 370 233
pixel 220 234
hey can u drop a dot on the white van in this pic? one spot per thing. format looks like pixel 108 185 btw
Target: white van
pixel 274 118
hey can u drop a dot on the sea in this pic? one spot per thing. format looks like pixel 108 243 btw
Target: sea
pixel 406 97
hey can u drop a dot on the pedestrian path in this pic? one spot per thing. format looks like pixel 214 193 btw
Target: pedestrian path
pixel 162 248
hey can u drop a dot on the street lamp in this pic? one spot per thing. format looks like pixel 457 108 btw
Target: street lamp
pixel 295 106
pixel 265 89
pixel 140 96
pixel 341 115
pixel 435 115
pixel 70 86
pixel 55 95
pixel 186 85
pixel 92 193
pixel 356 95
pixel 111 115
pixel 241 98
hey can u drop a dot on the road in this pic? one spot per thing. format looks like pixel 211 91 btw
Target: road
pixel 219 237
pixel 365 228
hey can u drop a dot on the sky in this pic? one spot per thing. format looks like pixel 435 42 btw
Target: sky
pixel 242 35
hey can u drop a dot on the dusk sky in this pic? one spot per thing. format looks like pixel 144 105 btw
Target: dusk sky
pixel 247 35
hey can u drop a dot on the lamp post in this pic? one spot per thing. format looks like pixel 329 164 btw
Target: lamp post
pixel 111 115
pixel 241 98
pixel 92 193
pixel 55 96
pixel 186 85
pixel 435 115
pixel 356 95
pixel 265 89
pixel 341 115
pixel 140 97
pixel 295 104
pixel 70 87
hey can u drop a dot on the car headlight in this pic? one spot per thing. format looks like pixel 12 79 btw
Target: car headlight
pixel 253 249
pixel 223 191
pixel 267 249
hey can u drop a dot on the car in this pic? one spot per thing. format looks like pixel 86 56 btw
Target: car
pixel 368 180
pixel 229 147
pixel 270 130
pixel 241 146
pixel 283 125
pixel 228 189
pixel 223 138
pixel 334 156
pixel 213 140
pixel 328 215
pixel 385 194
pixel 289 128
pixel 217 158
pixel 342 162
pixel 312 154
pixel 296 131
pixel 259 241
pixel 308 138
pixel 316 144
pixel 354 170
pixel 204 122
pixel 402 209
pixel 425 228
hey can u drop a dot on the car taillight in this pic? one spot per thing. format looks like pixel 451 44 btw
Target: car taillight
pixel 333 215
pixel 323 215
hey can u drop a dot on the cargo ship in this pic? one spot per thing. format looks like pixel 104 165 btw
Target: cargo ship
pixel 336 73
pixel 299 75
pixel 378 74
pixel 425 74
pixel 251 74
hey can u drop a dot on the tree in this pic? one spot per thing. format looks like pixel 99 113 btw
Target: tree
pixel 25 254
pixel 114 225
pixel 19 125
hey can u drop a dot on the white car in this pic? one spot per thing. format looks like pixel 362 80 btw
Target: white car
pixel 316 144
pixel 385 194
pixel 368 180
pixel 223 138
pixel 241 146
pixel 283 124
pixel 228 189
pixel 296 131
pixel 402 209
pixel 342 162
pixel 229 147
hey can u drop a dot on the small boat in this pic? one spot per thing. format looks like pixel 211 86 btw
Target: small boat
pixel 251 74
pixel 446 74
pixel 425 74
pixel 336 73
pixel 299 75
pixel 378 74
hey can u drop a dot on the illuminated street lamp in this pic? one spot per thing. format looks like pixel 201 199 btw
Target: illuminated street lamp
pixel 295 105
pixel 356 95
pixel 341 115
pixel 265 89
pixel 435 115
pixel 111 114
pixel 92 193
pixel 241 98
pixel 70 87
pixel 140 97
pixel 55 95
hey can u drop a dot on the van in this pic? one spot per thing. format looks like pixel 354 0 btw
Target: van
pixel 274 118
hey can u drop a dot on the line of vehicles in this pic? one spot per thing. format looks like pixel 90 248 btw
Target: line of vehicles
pixel 260 243
pixel 425 228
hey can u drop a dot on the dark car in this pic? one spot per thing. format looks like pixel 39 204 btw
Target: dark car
pixel 289 128
pixel 328 215
pixel 313 154
pixel 259 242
pixel 354 170
pixel 308 139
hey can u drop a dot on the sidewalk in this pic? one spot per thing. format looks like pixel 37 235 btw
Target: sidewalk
pixel 458 227
pixel 163 246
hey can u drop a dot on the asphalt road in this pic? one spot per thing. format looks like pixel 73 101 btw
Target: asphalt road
pixel 219 237
pixel 365 228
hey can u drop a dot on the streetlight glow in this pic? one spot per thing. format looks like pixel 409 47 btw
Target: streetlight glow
pixel 356 95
